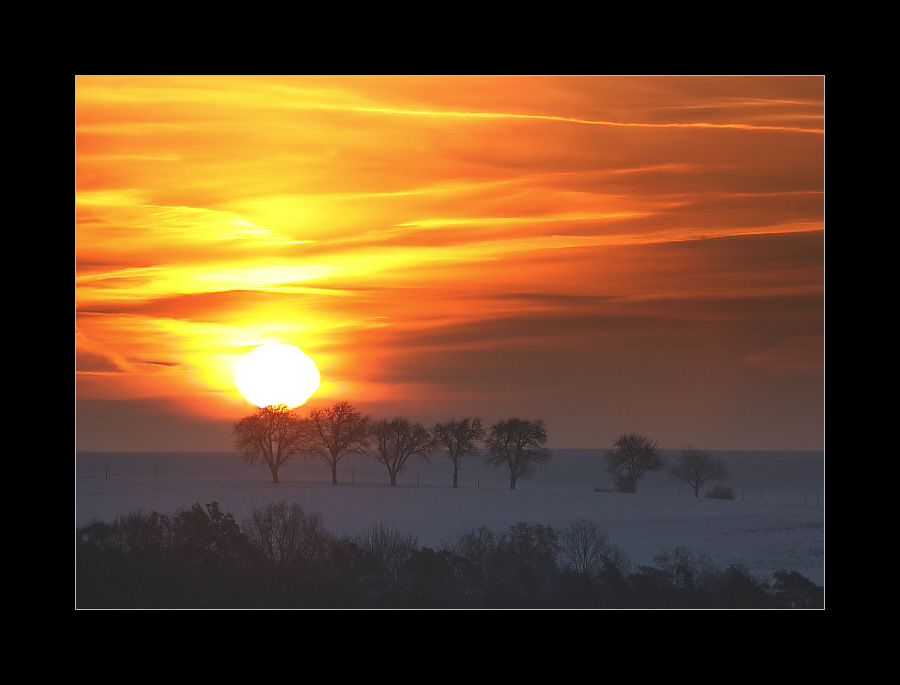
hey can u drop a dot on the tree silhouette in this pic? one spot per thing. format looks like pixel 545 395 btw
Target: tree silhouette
pixel 286 534
pixel 518 444
pixel 396 440
pixel 584 547
pixel 695 467
pixel 336 432
pixel 273 434
pixel 635 455
pixel 460 438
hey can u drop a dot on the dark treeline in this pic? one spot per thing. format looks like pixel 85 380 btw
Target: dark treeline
pixel 284 558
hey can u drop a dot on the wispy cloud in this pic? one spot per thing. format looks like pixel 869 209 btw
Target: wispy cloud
pixel 551 118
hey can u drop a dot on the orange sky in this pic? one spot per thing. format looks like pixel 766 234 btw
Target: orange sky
pixel 611 254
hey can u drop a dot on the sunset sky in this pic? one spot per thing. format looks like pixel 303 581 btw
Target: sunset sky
pixel 612 254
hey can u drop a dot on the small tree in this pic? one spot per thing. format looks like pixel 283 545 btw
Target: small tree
pixel 273 434
pixel 336 432
pixel 585 548
pixel 206 536
pixel 286 534
pixel 460 438
pixel 686 569
pixel 397 440
pixel 634 456
pixel 523 567
pixel 695 467
pixel 797 591
pixel 389 547
pixel 518 444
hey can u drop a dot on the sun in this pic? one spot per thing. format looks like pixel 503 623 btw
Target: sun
pixel 277 373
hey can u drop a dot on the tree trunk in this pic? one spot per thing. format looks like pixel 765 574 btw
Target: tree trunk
pixel 334 473
pixel 512 483
pixel 455 478
pixel 273 467
pixel 393 478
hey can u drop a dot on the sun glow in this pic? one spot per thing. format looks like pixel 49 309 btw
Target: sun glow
pixel 277 373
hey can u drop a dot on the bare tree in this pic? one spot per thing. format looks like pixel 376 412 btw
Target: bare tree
pixel 286 534
pixel 396 440
pixel 518 444
pixel 460 438
pixel 273 434
pixel 695 467
pixel 336 432
pixel 389 547
pixel 585 548
pixel 685 568
pixel 635 455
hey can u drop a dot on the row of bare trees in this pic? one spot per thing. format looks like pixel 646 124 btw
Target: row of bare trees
pixel 276 433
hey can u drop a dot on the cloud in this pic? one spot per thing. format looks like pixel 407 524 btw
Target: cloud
pixel 803 355
pixel 87 361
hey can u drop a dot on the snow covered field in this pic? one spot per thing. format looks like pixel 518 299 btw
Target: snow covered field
pixel 776 521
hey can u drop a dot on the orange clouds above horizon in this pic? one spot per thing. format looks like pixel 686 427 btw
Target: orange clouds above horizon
pixel 609 253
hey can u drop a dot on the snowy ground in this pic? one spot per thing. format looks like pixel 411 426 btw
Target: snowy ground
pixel 776 521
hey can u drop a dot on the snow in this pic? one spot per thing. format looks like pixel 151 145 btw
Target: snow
pixel 776 521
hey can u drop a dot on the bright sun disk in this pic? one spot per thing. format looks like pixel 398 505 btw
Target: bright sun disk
pixel 277 373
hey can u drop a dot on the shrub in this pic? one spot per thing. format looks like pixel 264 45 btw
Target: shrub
pixel 720 492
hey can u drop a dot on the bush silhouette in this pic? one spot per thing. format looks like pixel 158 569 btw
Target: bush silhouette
pixel 720 492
